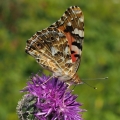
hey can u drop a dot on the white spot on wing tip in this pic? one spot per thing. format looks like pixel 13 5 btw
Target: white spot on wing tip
pixel 81 19
pixel 79 32
pixel 78 12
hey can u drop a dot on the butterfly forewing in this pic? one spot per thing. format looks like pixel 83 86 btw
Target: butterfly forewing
pixel 72 24
pixel 58 48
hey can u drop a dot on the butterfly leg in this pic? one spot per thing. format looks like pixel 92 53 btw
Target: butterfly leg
pixel 47 80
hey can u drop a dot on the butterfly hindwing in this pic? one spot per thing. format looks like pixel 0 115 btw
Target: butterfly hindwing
pixel 50 49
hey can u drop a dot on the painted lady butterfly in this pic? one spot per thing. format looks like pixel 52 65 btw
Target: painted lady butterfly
pixel 58 48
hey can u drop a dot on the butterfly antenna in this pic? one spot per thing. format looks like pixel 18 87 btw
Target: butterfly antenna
pixel 96 78
pixel 89 85
pixel 93 79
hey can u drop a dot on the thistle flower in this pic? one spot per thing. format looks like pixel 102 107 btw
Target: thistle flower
pixel 48 101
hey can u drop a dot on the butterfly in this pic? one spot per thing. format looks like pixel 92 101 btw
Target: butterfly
pixel 58 48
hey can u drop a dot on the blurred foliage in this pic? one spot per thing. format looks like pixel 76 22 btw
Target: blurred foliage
pixel 20 19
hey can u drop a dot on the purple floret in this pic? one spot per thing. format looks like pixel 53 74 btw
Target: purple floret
pixel 54 100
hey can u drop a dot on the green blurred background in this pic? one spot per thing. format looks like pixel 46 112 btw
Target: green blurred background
pixel 20 19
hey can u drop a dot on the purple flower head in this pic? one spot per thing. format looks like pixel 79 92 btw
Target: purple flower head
pixel 53 100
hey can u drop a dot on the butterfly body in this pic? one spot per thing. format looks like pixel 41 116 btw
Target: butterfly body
pixel 58 48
